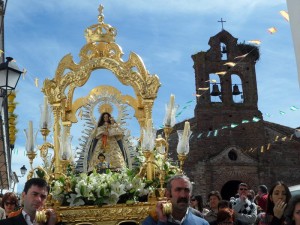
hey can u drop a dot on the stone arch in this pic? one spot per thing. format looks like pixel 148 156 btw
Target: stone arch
pixel 234 174
pixel 214 53
pixel 229 189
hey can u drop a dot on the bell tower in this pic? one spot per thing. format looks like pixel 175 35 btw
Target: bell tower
pixel 225 82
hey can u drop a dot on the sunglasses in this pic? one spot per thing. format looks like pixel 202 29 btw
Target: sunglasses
pixel 10 203
pixel 193 200
pixel 243 189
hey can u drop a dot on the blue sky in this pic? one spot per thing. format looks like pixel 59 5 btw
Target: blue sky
pixel 165 34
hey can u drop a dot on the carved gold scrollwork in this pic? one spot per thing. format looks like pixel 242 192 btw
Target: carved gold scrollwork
pixel 100 52
pixel 105 214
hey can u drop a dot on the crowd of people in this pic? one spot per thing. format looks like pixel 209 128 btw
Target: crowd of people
pixel 276 207
pixel 273 207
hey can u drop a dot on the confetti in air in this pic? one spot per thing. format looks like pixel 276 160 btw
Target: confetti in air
pixel 256 42
pixel 36 82
pixel 272 30
pixel 231 64
pixel 285 15
pixel 221 73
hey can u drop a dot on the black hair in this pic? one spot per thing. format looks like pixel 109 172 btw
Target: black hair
pixel 101 154
pixel 289 212
pixel 199 200
pixel 101 120
pixel 35 182
pixel 263 188
pixel 270 203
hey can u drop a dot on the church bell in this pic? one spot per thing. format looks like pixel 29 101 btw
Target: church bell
pixel 235 90
pixel 224 50
pixel 215 90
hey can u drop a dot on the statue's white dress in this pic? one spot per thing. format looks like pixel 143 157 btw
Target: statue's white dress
pixel 109 148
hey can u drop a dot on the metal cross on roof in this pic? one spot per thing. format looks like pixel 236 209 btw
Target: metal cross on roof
pixel 222 21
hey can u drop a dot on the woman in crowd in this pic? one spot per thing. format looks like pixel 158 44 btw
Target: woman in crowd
pixel 292 213
pixel 197 203
pixel 214 198
pixel 278 198
pixel 9 203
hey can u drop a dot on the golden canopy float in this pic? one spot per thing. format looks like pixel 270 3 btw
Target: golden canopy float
pixel 90 197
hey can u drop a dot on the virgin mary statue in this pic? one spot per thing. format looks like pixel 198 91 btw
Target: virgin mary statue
pixel 105 141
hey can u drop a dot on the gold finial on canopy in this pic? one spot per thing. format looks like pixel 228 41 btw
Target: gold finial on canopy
pixel 101 16
pixel 100 32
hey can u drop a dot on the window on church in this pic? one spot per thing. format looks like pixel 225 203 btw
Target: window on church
pixel 232 155
pixel 224 52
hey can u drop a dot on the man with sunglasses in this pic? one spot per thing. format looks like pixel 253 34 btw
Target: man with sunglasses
pixel 245 211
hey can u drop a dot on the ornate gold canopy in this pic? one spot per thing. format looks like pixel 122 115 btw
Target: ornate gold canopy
pixel 100 52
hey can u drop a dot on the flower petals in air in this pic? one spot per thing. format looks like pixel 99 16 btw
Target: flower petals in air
pixel 203 89
pixel 285 15
pixel 241 56
pixel 221 73
pixel 36 82
pixel 24 73
pixel 231 64
pixel 256 42
pixel 272 30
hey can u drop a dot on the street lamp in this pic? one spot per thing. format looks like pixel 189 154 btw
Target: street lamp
pixel 23 170
pixel 15 177
pixel 9 74
pixel 9 77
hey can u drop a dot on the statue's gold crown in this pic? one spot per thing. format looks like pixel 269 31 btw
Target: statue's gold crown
pixel 105 107
pixel 100 32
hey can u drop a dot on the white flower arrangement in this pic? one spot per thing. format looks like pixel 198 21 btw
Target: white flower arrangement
pixel 99 189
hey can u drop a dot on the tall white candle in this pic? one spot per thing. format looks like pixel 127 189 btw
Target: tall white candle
pixel 45 113
pixel 169 109
pixel 30 135
pixel 186 131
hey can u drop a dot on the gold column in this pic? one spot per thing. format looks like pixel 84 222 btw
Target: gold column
pixel 56 131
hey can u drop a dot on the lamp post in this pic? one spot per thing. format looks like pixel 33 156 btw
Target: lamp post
pixel 9 74
pixel 9 77
pixel 15 177
pixel 23 170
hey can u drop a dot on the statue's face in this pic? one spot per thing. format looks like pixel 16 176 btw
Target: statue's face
pixel 106 118
pixel 101 158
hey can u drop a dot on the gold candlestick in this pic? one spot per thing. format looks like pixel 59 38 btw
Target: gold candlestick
pixel 64 165
pixel 44 152
pixel 45 132
pixel 182 158
pixel 148 161
pixel 162 190
pixel 31 156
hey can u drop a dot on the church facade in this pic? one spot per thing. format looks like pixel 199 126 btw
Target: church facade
pixel 231 142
